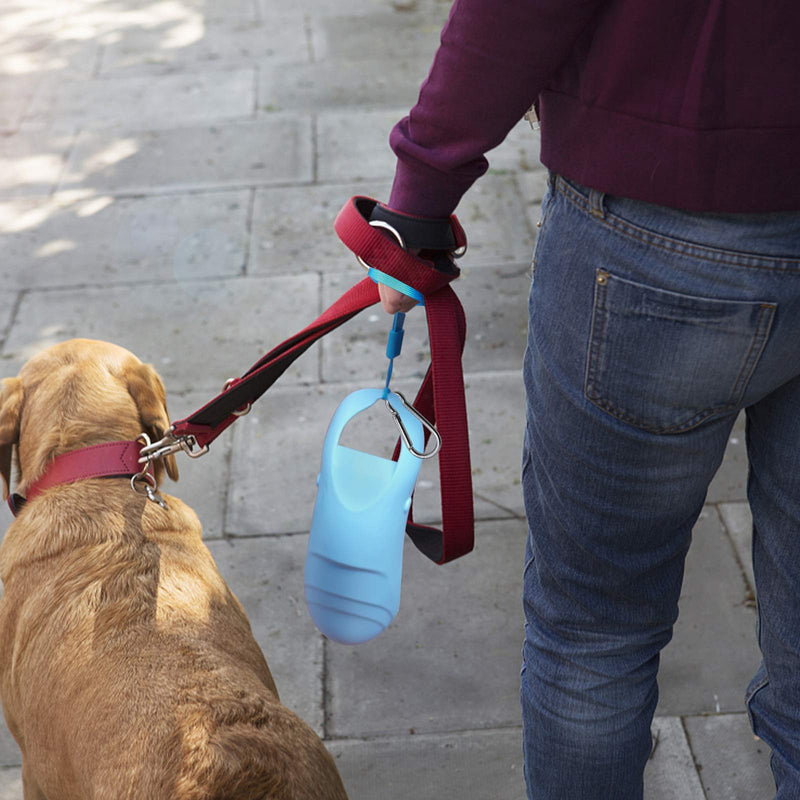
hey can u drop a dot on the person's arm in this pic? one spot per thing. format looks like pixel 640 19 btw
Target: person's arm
pixel 494 59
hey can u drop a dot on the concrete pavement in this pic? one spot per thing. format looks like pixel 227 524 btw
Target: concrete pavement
pixel 169 174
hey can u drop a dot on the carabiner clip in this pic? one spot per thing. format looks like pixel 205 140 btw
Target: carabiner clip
pixel 404 433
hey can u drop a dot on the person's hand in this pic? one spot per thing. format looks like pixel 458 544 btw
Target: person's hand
pixel 394 301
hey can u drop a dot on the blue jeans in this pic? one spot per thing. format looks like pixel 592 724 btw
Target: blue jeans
pixel 650 329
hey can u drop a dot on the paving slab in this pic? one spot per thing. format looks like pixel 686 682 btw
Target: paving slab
pixel 439 667
pixel 496 328
pixel 16 94
pixel 11 784
pixel 519 152
pixel 381 34
pixel 196 334
pixel 287 428
pixel 38 54
pixel 479 765
pixel 199 43
pixel 9 752
pixel 733 764
pixel 354 145
pixel 322 8
pixel 292 228
pixel 212 9
pixel 493 215
pixel 484 765
pixel 356 83
pixel 266 574
pixel 730 482
pixel 8 305
pixel 698 674
pixel 670 773
pixel 70 239
pixel 739 523
pixel 32 163
pixel 110 22
pixel 268 151
pixel 143 102
pixel 203 482
pixel 21 18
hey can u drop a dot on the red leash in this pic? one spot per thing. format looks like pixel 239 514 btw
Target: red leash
pixel 440 398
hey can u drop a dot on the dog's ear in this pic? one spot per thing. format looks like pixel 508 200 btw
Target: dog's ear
pixel 11 396
pixel 147 391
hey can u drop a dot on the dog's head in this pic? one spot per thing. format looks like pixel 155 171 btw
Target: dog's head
pixel 75 394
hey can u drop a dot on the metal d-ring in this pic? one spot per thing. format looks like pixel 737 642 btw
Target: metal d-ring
pixel 150 487
pixel 245 409
pixel 145 477
pixel 379 223
pixel 429 426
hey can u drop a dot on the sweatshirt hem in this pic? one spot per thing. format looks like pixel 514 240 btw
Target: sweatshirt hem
pixel 736 170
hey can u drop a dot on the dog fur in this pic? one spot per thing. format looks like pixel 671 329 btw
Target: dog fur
pixel 128 669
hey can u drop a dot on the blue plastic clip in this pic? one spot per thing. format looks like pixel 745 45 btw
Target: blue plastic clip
pixel 395 343
pixel 393 347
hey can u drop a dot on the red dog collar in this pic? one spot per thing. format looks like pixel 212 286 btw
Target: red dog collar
pixel 108 460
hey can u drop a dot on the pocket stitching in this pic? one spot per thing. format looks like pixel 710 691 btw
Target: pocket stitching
pixel 756 348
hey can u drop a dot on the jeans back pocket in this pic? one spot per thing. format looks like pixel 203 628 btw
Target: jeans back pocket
pixel 664 361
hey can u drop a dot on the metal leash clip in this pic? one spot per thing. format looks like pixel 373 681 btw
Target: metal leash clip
pixel 168 445
pixel 437 439
pixel 187 443
pixel 144 482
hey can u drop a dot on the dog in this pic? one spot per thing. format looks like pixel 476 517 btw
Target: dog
pixel 128 670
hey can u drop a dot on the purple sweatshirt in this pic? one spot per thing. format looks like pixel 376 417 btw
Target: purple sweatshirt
pixel 693 104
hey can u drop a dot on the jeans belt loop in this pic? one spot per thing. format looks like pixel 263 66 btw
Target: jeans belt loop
pixel 597 204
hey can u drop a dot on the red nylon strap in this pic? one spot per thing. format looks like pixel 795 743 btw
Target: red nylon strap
pixel 441 397
pixel 110 459
pixel 441 400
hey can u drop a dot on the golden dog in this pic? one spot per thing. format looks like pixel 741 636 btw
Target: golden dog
pixel 127 667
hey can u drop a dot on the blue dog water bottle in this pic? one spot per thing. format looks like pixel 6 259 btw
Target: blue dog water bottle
pixel 354 563
pixel 355 552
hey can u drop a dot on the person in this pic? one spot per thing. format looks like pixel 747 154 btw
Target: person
pixel 665 298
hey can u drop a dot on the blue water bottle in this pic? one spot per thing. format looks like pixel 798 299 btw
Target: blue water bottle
pixel 355 552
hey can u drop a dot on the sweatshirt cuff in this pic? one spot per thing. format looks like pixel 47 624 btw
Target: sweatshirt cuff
pixel 417 192
pixel 423 190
